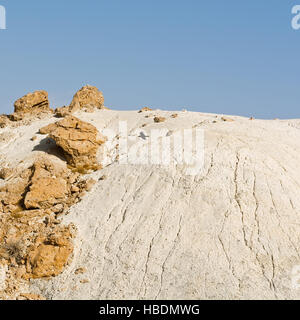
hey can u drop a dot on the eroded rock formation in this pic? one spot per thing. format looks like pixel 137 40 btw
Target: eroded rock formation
pixel 33 102
pixel 33 197
pixel 50 254
pixel 31 105
pixel 45 185
pixel 88 98
pixel 33 242
pixel 49 186
pixel 79 141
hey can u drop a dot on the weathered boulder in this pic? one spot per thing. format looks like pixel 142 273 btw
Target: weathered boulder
pixel 36 101
pixel 31 104
pixel 49 258
pixel 48 186
pixel 48 261
pixel 45 185
pixel 33 244
pixel 79 141
pixel 12 193
pixel 87 96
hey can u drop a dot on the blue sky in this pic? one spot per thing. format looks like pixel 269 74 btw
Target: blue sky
pixel 231 57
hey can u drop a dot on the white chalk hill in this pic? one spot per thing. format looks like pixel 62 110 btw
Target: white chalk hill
pixel 153 232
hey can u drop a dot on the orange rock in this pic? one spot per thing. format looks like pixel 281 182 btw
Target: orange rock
pixel 227 119
pixel 48 260
pixel 87 96
pixel 12 193
pixel 79 140
pixel 159 119
pixel 31 104
pixel 33 244
pixel 145 109
pixel 50 185
pixel 45 193
pixel 37 101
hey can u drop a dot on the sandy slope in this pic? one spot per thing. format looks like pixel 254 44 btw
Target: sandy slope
pixel 152 232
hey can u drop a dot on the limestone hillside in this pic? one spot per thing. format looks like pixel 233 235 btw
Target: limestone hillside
pixel 76 223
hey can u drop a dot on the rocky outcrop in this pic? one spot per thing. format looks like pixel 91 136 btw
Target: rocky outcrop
pixel 33 102
pixel 50 256
pixel 12 193
pixel 30 105
pixel 33 244
pixel 88 96
pixel 49 186
pixel 45 185
pixel 79 141
pixel 229 232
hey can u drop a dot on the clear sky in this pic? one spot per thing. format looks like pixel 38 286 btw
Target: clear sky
pixel 230 57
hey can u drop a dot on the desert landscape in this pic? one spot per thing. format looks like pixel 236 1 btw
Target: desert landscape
pixel 78 223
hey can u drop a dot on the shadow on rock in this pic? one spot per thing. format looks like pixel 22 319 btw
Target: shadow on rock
pixel 49 146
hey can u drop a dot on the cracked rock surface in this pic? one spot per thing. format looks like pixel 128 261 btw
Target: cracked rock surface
pixel 32 105
pixel 79 141
pixel 88 98
pixel 153 232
